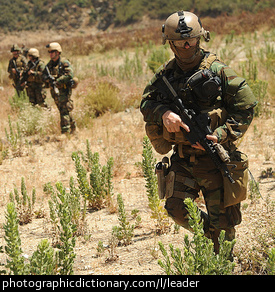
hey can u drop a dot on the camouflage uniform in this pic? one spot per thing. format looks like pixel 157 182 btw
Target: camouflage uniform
pixel 63 74
pixel 20 64
pixel 35 89
pixel 194 170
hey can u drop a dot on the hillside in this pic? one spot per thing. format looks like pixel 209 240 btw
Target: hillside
pixel 68 15
pixel 113 70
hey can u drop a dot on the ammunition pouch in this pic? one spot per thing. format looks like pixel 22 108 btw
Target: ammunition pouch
pixel 236 192
pixel 205 86
pixel 218 117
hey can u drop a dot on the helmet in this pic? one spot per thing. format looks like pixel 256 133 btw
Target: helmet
pixel 183 25
pixel 33 52
pixel 15 48
pixel 54 47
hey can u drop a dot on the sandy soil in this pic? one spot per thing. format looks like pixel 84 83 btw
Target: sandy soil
pixel 51 162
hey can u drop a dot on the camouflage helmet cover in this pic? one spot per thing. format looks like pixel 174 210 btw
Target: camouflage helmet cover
pixel 183 25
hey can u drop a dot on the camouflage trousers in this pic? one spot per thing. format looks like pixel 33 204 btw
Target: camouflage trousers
pixel 65 106
pixel 202 175
pixel 37 94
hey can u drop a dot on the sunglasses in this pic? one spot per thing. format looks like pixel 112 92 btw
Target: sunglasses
pixel 191 41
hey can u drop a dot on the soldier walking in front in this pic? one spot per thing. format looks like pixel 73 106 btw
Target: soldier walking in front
pixel 209 89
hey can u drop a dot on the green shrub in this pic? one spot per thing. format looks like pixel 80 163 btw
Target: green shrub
pixel 125 231
pixel 99 186
pixel 148 167
pixel 62 213
pixel 198 256
pixel 25 204
pixel 18 102
pixel 131 67
pixel 15 262
pixel 43 260
pixel 104 97
pixel 258 87
pixel 14 138
pixel 36 120
pixel 157 57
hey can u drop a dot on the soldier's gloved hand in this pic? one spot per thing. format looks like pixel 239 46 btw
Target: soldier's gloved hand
pixel 173 122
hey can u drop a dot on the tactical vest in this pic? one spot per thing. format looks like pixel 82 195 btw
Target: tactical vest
pixel 57 70
pixel 216 113
pixel 60 69
pixel 37 77
pixel 161 139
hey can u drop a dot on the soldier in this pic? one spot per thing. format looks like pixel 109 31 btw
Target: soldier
pixel 59 75
pixel 33 78
pixel 229 102
pixel 17 65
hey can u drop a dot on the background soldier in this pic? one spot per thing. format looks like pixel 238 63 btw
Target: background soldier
pixel 17 65
pixel 228 101
pixel 59 75
pixel 33 77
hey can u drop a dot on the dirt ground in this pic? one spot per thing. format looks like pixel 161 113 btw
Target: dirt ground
pixel 51 161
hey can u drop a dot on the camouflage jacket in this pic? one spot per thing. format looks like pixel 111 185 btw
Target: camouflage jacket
pixel 37 67
pixel 62 71
pixel 236 101
pixel 19 64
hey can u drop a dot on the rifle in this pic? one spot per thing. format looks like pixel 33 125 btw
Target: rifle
pixel 199 125
pixel 51 80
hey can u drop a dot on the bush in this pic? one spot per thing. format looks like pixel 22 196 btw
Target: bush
pixel 148 167
pixel 158 57
pixel 99 187
pixel 104 97
pixel 198 256
pixel 258 87
pixel 62 211
pixel 14 138
pixel 44 261
pixel 125 231
pixel 25 204
pixel 13 248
